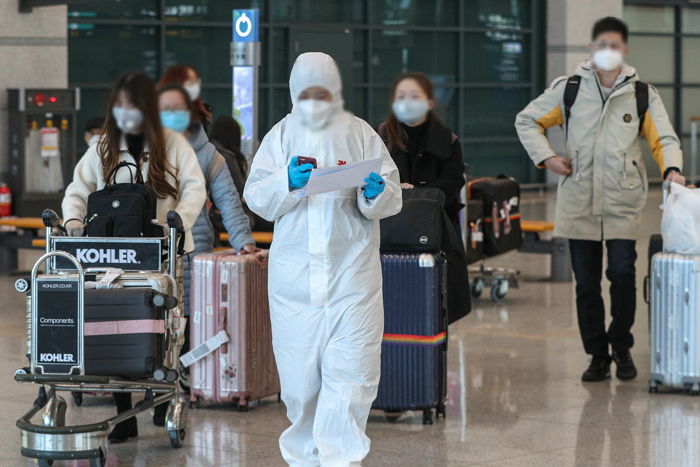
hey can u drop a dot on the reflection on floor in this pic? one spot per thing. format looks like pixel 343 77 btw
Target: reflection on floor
pixel 515 395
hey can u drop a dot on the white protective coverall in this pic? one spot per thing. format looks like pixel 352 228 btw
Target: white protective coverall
pixel 325 278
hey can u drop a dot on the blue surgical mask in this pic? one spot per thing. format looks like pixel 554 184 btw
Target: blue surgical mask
pixel 178 120
pixel 410 111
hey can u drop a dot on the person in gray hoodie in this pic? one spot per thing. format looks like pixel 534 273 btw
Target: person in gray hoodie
pixel 177 113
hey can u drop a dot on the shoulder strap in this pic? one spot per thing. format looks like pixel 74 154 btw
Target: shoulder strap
pixel 570 92
pixel 641 90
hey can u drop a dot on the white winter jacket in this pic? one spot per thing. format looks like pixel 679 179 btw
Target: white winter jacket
pixel 189 182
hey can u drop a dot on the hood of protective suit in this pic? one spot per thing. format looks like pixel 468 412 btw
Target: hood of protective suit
pixel 315 69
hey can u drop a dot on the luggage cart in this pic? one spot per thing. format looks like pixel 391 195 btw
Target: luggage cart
pixel 56 370
pixel 501 280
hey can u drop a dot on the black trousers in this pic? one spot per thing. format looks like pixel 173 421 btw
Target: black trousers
pixel 587 262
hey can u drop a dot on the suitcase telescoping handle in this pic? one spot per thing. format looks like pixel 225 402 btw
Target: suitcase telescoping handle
pixel 176 241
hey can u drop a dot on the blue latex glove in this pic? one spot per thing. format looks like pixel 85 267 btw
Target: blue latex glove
pixel 374 186
pixel 298 174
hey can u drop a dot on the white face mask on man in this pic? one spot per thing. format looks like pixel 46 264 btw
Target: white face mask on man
pixel 607 59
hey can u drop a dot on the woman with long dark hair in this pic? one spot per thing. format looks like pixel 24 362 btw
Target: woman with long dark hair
pixel 426 152
pixel 187 77
pixel 133 133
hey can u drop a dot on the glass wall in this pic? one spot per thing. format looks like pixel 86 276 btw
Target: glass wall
pixel 484 56
pixel 668 31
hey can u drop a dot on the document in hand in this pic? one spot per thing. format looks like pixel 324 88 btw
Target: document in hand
pixel 339 177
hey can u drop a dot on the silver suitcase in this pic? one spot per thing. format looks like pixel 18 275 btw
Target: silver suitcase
pixel 675 322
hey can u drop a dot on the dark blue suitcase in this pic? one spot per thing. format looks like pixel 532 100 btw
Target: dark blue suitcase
pixel 414 349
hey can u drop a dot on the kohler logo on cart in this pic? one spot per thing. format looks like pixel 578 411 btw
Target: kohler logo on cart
pixel 106 255
pixel 56 358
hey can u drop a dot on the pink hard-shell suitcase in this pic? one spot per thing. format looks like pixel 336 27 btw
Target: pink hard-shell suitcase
pixel 229 292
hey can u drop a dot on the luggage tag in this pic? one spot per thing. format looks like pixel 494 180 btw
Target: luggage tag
pixel 204 349
pixel 507 227
pixel 111 274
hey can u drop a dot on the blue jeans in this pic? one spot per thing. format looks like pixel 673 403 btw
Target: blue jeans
pixel 587 262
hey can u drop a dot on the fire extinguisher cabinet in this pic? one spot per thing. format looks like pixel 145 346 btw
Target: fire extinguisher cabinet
pixel 42 138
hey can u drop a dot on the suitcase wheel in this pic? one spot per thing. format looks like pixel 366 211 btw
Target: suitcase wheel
pixel 440 411
pixel 427 416
pixel 44 462
pixel 477 287
pixel 499 290
pixel 695 389
pixel 176 437
pixel 653 387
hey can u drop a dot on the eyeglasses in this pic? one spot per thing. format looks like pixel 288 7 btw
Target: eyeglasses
pixel 608 45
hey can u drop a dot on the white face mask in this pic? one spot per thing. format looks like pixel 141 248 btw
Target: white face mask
pixel 607 59
pixel 315 114
pixel 193 89
pixel 410 111
pixel 128 120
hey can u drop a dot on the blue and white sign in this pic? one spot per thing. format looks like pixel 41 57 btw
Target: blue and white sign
pixel 246 25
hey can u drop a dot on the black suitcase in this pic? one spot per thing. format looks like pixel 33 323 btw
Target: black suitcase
pixel 475 231
pixel 124 332
pixel 414 349
pixel 419 225
pixel 500 198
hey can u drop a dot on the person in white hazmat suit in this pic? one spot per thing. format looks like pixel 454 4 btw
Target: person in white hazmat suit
pixel 325 278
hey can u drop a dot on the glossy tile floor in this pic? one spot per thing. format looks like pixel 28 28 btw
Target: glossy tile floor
pixel 514 397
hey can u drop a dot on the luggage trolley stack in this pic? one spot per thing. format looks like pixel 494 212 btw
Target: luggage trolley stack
pixel 94 328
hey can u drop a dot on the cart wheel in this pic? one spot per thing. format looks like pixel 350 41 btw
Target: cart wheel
pixel 653 387
pixel 243 406
pixel 44 462
pixel 99 461
pixel 499 290
pixel 77 398
pixel 176 437
pixel 427 416
pixel 477 287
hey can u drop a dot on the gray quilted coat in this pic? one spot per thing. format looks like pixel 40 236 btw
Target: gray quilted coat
pixel 222 191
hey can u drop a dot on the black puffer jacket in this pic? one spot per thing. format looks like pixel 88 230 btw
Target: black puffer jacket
pixel 437 162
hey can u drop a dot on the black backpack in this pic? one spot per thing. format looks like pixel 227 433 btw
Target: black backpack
pixel 641 92
pixel 123 209
pixel 418 227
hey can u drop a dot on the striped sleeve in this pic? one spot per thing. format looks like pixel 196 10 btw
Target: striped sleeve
pixel 542 113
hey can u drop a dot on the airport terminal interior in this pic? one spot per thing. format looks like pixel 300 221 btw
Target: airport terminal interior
pixel 513 393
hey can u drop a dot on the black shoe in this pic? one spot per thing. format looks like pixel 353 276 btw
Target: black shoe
pixel 598 370
pixel 159 412
pixel 124 430
pixel 625 366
